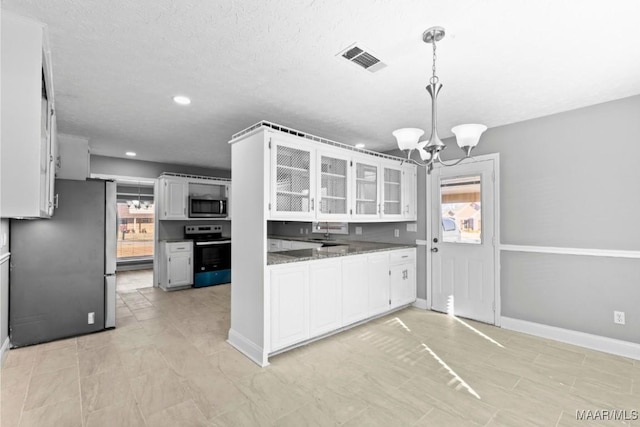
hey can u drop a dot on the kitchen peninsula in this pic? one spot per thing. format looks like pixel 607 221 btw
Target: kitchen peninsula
pixel 280 300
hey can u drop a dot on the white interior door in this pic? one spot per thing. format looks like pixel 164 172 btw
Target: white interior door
pixel 463 238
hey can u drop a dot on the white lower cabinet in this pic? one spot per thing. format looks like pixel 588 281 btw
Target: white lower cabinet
pixel 311 298
pixel 378 278
pixel 355 289
pixel 289 304
pixel 402 278
pixel 178 264
pixel 325 296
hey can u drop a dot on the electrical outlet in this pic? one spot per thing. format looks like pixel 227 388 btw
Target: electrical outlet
pixel 396 233
pixel 91 318
pixel 618 317
pixel 358 230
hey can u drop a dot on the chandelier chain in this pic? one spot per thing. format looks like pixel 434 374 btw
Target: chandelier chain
pixel 434 78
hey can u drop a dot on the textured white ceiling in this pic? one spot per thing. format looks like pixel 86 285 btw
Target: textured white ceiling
pixel 118 63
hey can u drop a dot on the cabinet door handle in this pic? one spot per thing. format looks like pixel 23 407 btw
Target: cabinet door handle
pixel 189 260
pixel 312 204
pixel 55 203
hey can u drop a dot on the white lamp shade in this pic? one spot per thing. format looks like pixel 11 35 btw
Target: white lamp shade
pixel 424 154
pixel 468 135
pixel 408 138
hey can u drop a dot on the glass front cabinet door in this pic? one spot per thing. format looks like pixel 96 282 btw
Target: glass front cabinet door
pixel 332 186
pixel 366 204
pixel 292 174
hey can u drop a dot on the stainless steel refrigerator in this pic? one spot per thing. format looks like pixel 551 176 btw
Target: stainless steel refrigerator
pixel 62 279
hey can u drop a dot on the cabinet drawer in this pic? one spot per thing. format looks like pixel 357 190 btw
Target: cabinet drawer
pixel 179 247
pixel 396 257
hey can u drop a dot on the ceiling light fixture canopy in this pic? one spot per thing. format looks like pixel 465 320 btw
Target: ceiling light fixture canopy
pixel 408 139
pixel 181 100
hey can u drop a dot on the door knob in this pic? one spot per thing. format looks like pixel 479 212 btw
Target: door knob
pixel 434 249
pixel 435 240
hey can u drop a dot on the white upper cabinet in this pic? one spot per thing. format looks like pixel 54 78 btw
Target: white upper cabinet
pixel 333 185
pixel 293 178
pixel 174 195
pixel 392 192
pixel 366 194
pixel 28 120
pixel 313 181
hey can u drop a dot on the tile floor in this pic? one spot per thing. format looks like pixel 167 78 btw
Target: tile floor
pixel 167 364
pixel 134 279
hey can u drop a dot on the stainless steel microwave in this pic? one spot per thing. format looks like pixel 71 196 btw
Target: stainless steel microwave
pixel 202 207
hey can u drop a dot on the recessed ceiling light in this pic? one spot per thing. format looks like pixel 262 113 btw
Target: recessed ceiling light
pixel 361 145
pixel 130 153
pixel 182 100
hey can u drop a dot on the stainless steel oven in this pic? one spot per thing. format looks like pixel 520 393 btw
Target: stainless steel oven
pixel 212 255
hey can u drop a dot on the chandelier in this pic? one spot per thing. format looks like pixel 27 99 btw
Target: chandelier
pixel 467 136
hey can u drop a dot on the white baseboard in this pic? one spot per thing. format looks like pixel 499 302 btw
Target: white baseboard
pixel 582 339
pixel 248 348
pixel 421 303
pixel 4 351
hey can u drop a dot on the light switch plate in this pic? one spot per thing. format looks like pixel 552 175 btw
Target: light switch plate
pixel 358 230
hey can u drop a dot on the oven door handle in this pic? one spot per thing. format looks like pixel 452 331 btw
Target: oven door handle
pixel 224 242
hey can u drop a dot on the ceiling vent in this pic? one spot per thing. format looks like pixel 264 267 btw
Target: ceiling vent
pixel 362 57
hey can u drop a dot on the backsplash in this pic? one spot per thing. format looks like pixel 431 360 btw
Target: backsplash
pixel 371 232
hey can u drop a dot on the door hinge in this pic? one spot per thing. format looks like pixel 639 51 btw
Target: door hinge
pixel 389 302
pixel 269 143
pixel 351 163
pixel 350 211
pixel 389 272
pixel 169 259
pixel 269 206
pixel 169 280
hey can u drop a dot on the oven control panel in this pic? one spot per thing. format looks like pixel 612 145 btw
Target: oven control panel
pixel 202 229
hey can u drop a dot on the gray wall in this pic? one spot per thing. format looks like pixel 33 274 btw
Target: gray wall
pixel 144 169
pixel 167 230
pixel 571 180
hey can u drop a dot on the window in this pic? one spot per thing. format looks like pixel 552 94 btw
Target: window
pixel 135 223
pixel 461 211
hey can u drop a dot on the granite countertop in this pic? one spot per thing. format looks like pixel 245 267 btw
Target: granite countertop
pixel 339 248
